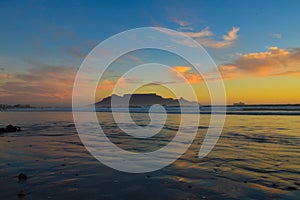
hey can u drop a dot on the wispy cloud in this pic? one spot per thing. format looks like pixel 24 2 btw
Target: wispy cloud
pixel 207 38
pixel 75 51
pixel 181 22
pixel 201 34
pixel 135 59
pixel 130 58
pixel 228 39
pixel 276 35
pixel 81 50
pixel 183 25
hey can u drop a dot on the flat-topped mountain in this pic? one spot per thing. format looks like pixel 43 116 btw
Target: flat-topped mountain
pixel 136 100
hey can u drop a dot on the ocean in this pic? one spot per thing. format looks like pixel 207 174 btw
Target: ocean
pixel 256 157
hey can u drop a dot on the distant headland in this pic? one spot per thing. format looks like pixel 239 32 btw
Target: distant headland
pixel 17 106
pixel 140 100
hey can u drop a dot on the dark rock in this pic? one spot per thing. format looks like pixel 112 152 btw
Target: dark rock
pixel 190 186
pixel 10 128
pixel 76 174
pixel 22 177
pixel 63 165
pixel 21 194
pixel 291 188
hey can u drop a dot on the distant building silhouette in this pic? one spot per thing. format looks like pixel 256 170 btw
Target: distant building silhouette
pixel 239 104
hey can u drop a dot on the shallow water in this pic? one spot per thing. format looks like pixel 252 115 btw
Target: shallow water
pixel 257 157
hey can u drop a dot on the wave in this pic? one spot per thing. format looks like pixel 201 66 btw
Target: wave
pixel 230 110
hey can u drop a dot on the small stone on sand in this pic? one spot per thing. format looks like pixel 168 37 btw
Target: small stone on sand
pixel 22 177
pixel 21 194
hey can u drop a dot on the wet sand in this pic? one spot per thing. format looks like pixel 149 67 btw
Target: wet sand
pixel 257 157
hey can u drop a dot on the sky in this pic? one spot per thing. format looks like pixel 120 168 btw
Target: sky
pixel 255 45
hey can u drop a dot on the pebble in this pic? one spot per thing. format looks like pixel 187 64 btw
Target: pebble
pixel 21 194
pixel 22 177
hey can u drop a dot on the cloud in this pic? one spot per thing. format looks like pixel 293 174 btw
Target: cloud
pixel 136 59
pixel 129 58
pixel 40 85
pixel 75 51
pixel 276 35
pixel 159 83
pixel 182 69
pixel 183 25
pixel 231 35
pixel 204 33
pixel 181 22
pixel 109 85
pixel 106 85
pixel 5 76
pixel 186 72
pixel 228 40
pixel 186 28
pixel 275 61
pixel 206 38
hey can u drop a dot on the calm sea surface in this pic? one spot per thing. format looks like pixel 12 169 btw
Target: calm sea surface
pixel 257 157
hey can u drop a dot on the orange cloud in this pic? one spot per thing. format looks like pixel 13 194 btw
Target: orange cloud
pixel 108 85
pixel 229 71
pixel 5 76
pixel 41 86
pixel 181 69
pixel 273 62
pixel 185 71
pixel 232 35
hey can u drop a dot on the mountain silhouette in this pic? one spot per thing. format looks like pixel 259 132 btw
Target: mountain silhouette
pixel 140 100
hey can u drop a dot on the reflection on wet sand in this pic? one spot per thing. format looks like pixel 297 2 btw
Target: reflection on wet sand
pixel 256 157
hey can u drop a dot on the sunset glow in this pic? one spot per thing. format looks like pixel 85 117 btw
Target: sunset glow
pixel 259 58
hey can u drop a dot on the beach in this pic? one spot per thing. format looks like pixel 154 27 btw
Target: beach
pixel 256 157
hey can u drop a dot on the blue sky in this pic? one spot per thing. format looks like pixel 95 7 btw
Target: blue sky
pixel 31 28
pixel 37 34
